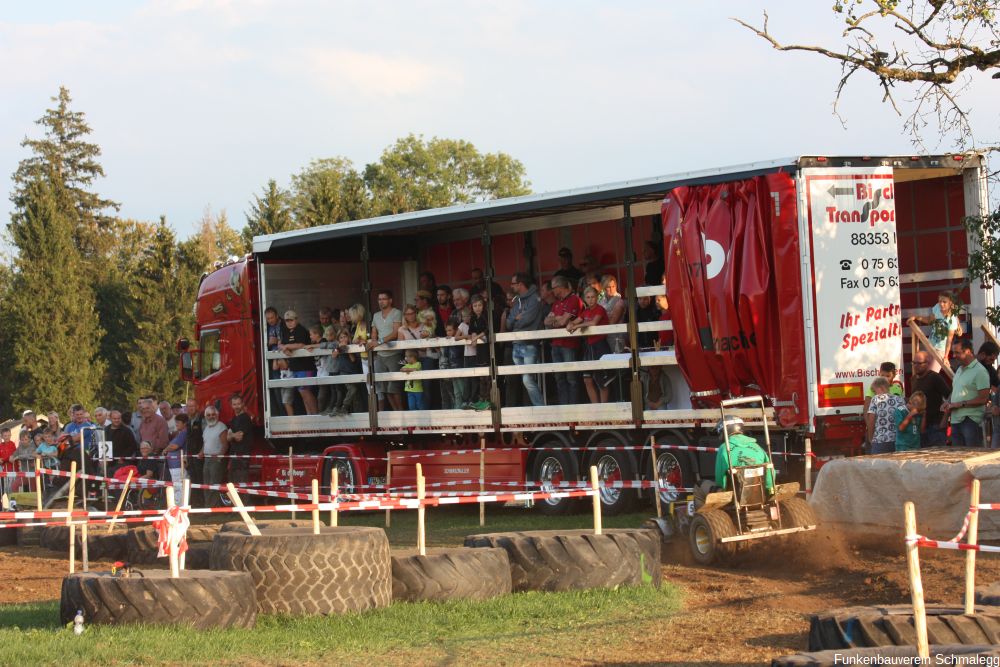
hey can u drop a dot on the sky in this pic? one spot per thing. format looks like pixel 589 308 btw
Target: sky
pixel 197 103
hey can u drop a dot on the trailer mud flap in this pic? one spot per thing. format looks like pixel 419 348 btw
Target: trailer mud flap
pixel 734 289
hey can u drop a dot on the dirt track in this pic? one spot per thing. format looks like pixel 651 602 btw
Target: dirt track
pixel 746 613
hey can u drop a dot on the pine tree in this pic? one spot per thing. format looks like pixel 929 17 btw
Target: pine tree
pixel 269 214
pixel 65 159
pixel 49 310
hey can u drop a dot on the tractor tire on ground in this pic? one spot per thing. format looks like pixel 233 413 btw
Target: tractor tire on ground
pixel 343 569
pixel 796 513
pixel 198 556
pixel 241 527
pixel 100 545
pixel 200 598
pixel 988 595
pixel 939 655
pixel 545 560
pixel 705 534
pixel 142 541
pixel 450 574
pixel 858 627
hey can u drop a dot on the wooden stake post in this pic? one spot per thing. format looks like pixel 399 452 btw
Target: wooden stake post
pixel 421 543
pixel 809 466
pixel 69 517
pixel 121 501
pixel 388 486
pixel 291 476
pixel 482 479
pixel 595 484
pixel 334 492
pixel 656 479
pixel 185 502
pixel 916 584
pixel 315 512
pixel 238 504
pixel 970 556
pixel 38 482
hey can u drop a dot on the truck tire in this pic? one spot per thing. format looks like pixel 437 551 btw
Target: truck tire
pixel 988 595
pixel 859 627
pixel 705 534
pixel 551 467
pixel 343 569
pixel 615 467
pixel 544 560
pixel 142 542
pixel 796 513
pixel 831 658
pixel 450 574
pixel 200 598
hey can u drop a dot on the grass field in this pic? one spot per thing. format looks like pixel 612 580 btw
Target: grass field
pixel 523 628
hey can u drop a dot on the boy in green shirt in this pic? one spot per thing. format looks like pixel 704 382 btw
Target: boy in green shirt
pixel 910 422
pixel 414 389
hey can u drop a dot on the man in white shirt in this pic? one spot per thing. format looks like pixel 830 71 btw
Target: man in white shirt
pixel 215 444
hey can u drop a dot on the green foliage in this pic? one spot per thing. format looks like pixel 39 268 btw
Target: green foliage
pixel 984 260
pixel 49 307
pixel 269 214
pixel 414 174
pixel 328 191
pixel 218 240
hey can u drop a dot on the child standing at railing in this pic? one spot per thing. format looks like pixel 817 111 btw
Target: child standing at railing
pixel 910 422
pixel 7 449
pixel 596 381
pixel 347 363
pixel 479 332
pixel 451 357
pixel 414 389
pixel 463 386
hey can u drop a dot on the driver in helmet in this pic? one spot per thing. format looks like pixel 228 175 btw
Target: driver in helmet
pixel 744 451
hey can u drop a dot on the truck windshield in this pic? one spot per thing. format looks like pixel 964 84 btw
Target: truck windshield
pixel 211 359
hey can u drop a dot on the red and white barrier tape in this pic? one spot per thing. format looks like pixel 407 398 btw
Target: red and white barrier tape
pixel 922 541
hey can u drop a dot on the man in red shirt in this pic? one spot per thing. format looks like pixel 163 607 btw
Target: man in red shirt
pixel 566 308
pixel 7 448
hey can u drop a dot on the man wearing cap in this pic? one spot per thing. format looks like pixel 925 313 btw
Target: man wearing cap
pixel 295 337
pixel 566 268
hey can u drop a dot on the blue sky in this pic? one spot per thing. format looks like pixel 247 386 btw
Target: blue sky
pixel 198 103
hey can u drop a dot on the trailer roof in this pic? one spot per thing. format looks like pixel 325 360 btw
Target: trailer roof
pixel 513 208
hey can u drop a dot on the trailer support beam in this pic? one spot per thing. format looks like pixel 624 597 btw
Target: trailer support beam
pixel 635 386
pixel 491 337
pixel 366 289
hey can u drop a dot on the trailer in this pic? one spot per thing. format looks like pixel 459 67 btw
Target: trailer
pixel 789 278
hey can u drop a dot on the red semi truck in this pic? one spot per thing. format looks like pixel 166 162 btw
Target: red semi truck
pixel 791 278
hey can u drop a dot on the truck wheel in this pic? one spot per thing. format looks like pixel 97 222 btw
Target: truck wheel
pixel 548 560
pixel 615 467
pixel 673 476
pixel 346 479
pixel 343 569
pixel 450 574
pixel 551 468
pixel 706 533
pixel 797 513
pixel 940 654
pixel 857 627
pixel 200 598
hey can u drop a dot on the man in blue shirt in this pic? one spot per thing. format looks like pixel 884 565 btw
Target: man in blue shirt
pixel 81 423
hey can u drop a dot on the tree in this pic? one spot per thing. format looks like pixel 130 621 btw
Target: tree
pixel 218 240
pixel 68 162
pixel 328 191
pixel 414 174
pixel 269 214
pixel 933 45
pixel 49 308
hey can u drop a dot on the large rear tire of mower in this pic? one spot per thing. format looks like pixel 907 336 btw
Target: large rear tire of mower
pixel 577 559
pixel 859 627
pixel 142 541
pixel 797 513
pixel 343 569
pixel 705 536
pixel 450 574
pixel 200 598
pixel 843 657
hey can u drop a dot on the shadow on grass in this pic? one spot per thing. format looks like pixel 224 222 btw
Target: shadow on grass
pixel 30 616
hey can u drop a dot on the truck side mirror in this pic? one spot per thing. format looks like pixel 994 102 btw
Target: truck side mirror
pixel 187 367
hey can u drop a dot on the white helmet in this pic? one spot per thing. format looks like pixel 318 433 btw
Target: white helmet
pixel 731 424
